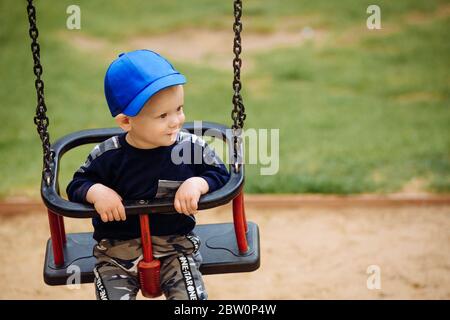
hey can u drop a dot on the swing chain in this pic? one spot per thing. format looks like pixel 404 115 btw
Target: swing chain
pixel 238 114
pixel 40 120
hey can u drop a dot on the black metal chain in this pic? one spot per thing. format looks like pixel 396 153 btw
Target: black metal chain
pixel 238 114
pixel 40 120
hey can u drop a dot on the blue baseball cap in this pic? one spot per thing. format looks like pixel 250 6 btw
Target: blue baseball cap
pixel 134 77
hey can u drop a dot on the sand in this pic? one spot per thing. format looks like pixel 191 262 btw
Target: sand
pixel 306 253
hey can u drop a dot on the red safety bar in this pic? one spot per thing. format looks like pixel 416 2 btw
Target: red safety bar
pixel 62 228
pixel 240 223
pixel 149 269
pixel 147 249
pixel 58 236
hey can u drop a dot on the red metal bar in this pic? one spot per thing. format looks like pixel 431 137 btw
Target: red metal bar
pixel 243 214
pixel 55 232
pixel 146 238
pixel 63 229
pixel 239 224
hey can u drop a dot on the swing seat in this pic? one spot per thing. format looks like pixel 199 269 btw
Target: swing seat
pixel 219 247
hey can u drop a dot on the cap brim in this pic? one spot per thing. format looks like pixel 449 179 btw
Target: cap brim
pixel 139 101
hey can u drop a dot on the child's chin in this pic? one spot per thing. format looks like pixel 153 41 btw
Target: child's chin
pixel 169 141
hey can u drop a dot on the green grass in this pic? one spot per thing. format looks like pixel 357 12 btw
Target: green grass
pixel 365 115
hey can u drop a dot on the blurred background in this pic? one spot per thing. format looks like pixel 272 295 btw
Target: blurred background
pixel 359 112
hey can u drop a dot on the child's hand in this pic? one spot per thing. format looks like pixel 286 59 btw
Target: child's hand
pixel 107 202
pixel 188 194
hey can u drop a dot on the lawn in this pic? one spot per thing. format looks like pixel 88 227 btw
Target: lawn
pixel 358 110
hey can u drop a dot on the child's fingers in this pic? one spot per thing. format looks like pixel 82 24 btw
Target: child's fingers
pixel 189 208
pixel 177 205
pixel 184 207
pixel 104 216
pixel 122 213
pixel 116 214
pixel 193 206
pixel 110 215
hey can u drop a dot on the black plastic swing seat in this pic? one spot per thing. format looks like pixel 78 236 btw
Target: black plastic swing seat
pixel 218 249
pixel 218 241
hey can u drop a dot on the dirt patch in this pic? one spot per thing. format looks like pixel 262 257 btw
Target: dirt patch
pixel 215 47
pixel 307 253
pixel 357 33
pixel 415 186
pixel 87 43
pixel 418 17
pixel 211 47
pixel 418 97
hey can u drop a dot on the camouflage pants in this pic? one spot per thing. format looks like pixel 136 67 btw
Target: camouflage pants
pixel 116 274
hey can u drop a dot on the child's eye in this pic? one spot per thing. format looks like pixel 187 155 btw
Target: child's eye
pixel 179 108
pixel 163 115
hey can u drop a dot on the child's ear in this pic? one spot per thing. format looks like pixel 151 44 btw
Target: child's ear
pixel 123 121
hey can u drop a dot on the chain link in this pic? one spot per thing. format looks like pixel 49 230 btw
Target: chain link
pixel 238 114
pixel 40 120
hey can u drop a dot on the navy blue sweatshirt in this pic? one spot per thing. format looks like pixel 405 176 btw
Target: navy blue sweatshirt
pixel 145 174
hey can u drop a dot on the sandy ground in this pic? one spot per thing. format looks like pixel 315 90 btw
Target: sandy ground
pixel 307 253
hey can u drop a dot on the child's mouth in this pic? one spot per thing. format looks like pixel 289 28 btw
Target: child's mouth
pixel 172 133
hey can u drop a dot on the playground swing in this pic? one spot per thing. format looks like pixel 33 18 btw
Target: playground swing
pixel 226 247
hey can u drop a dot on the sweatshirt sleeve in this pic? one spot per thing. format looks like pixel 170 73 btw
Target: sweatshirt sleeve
pixel 91 172
pixel 211 168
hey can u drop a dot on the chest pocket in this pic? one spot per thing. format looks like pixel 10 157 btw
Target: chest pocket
pixel 167 188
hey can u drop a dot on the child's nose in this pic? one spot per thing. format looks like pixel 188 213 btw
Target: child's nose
pixel 174 121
